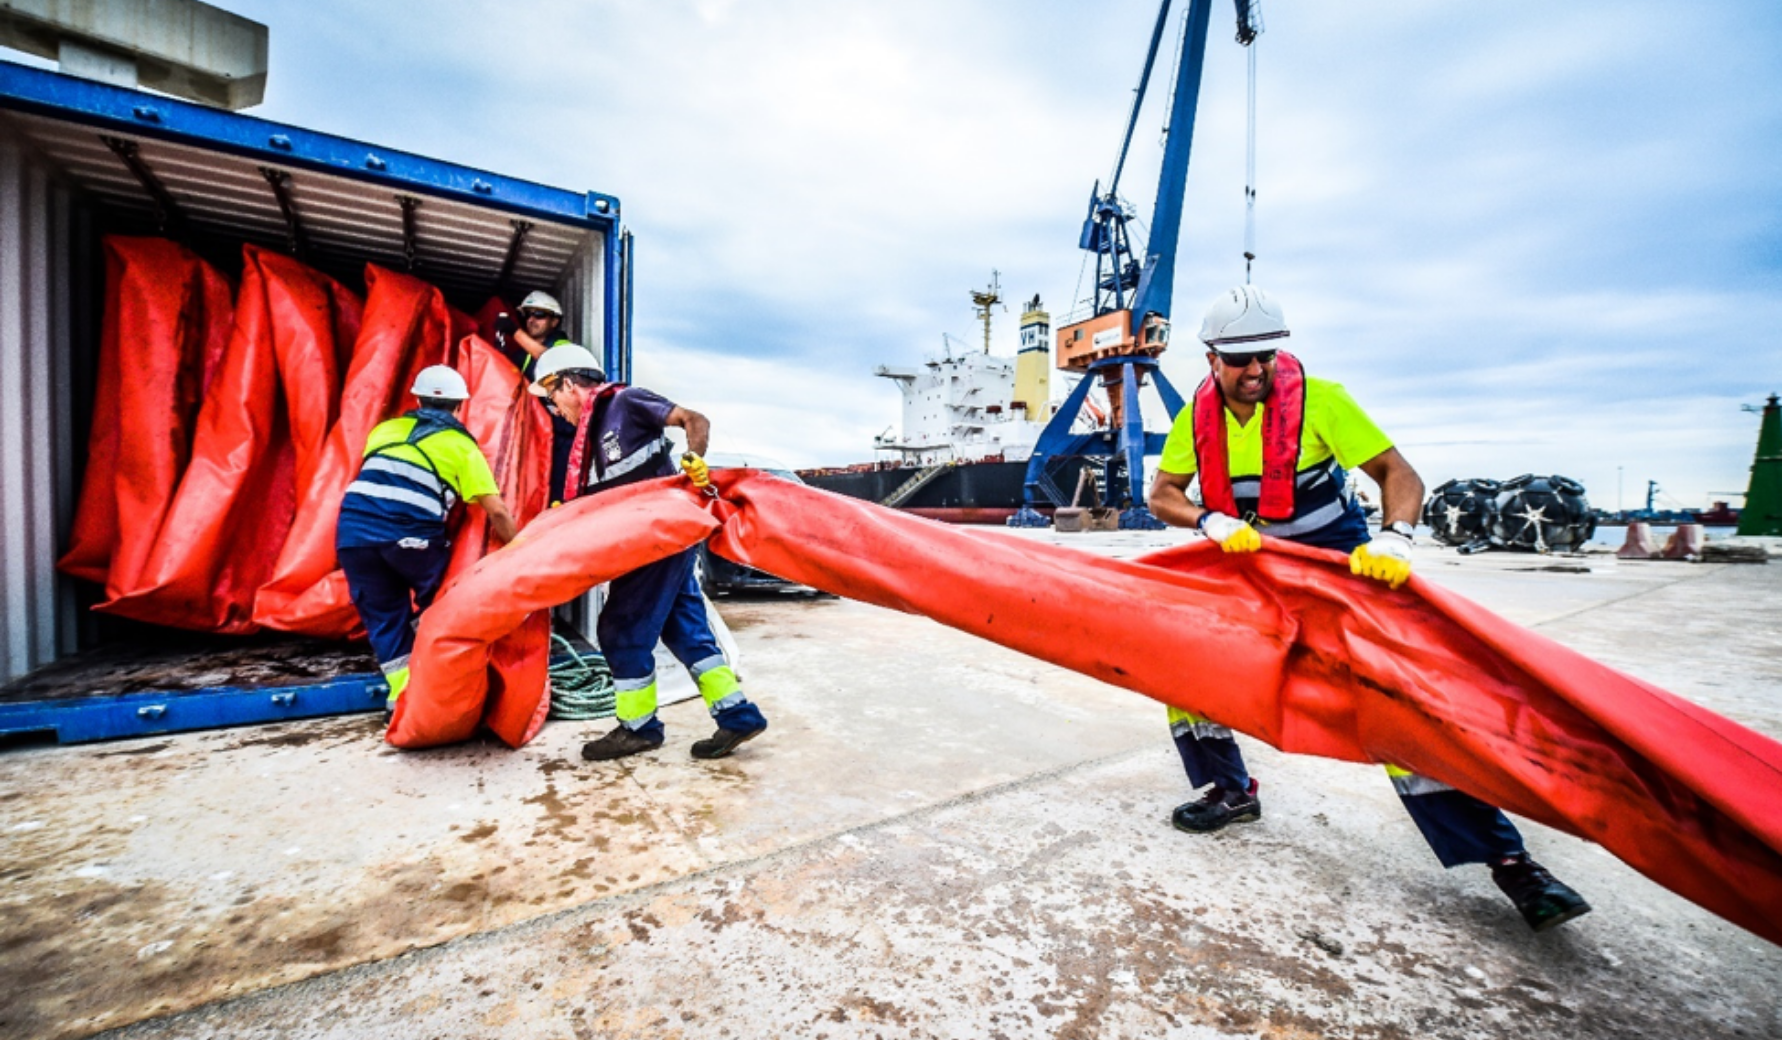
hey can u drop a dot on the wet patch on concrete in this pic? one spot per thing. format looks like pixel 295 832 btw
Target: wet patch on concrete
pixel 742 614
pixel 358 729
pixel 1050 910
pixel 144 749
pixel 147 879
pixel 539 895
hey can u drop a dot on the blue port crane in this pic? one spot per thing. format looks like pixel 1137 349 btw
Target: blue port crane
pixel 1118 345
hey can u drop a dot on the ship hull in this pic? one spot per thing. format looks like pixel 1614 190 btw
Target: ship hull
pixel 969 493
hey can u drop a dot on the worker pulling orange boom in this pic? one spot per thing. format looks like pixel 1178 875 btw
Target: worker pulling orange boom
pixel 1284 645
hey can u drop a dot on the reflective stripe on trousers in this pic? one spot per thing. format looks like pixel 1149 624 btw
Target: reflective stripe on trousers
pixel 1405 782
pixel 634 701
pixel 1410 785
pixel 396 677
pixel 718 685
pixel 1183 722
pixel 661 600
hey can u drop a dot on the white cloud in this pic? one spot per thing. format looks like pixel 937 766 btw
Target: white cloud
pixel 1530 237
pixel 766 407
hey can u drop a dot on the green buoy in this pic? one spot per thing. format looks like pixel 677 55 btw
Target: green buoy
pixel 1763 501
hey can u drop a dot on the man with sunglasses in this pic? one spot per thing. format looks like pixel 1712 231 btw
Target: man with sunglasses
pixel 537 330
pixel 1271 447
pixel 621 438
pixel 524 342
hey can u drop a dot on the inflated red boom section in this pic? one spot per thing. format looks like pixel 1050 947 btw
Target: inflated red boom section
pixel 238 495
pixel 166 326
pixel 1284 645
pixel 407 326
pixel 225 433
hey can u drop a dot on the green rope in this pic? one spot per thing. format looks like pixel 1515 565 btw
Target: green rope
pixel 582 687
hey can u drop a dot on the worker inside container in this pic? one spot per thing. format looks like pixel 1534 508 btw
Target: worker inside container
pixel 524 341
pixel 391 538
pixel 538 328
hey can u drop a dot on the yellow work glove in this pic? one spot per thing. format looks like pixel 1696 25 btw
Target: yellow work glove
pixel 695 469
pixel 1387 558
pixel 1232 534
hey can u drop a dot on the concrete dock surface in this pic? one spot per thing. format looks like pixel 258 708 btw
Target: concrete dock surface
pixel 936 837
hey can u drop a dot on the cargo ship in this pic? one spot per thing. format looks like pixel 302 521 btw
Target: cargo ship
pixel 970 421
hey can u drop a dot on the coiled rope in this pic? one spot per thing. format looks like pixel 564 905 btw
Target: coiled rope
pixel 581 687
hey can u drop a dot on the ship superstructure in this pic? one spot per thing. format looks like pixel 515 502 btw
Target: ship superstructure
pixel 970 421
pixel 974 406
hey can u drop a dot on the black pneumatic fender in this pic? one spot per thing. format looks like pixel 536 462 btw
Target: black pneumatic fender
pixel 1542 514
pixel 1461 512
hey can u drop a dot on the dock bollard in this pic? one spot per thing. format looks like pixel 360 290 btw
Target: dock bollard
pixel 1639 544
pixel 1685 543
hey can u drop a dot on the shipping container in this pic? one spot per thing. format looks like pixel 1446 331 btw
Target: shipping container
pixel 80 160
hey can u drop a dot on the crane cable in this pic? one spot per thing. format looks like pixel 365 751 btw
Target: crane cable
pixel 1250 170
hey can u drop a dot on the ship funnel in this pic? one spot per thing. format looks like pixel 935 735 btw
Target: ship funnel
pixel 1033 365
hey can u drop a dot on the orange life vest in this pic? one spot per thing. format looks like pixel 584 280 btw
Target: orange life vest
pixel 1282 423
pixel 579 458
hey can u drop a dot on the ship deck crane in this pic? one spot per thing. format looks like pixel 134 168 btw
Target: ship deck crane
pixel 1119 344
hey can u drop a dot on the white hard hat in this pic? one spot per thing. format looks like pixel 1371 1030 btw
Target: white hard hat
pixel 541 301
pixel 564 357
pixel 440 382
pixel 1245 314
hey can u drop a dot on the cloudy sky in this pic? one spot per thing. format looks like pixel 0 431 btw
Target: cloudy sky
pixel 1528 236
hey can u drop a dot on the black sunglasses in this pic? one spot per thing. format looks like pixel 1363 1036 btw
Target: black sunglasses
pixel 1243 360
pixel 529 315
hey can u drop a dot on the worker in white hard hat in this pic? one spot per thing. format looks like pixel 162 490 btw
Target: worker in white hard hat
pixel 391 539
pixel 621 438
pixel 1270 446
pixel 524 341
pixel 538 328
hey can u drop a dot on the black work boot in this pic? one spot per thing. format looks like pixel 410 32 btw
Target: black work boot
pixel 736 724
pixel 1218 807
pixel 723 742
pixel 620 742
pixel 1544 900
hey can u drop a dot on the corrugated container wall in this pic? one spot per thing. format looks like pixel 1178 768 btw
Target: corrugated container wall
pixel 47 254
pixel 582 294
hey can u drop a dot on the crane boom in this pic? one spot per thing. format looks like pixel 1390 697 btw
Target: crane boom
pixel 1157 276
pixel 1119 342
pixel 1130 314
pixel 1138 95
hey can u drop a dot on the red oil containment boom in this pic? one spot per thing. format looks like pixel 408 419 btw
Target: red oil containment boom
pixel 224 435
pixel 1284 645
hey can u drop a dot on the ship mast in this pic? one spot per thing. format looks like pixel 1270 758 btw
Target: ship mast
pixel 985 300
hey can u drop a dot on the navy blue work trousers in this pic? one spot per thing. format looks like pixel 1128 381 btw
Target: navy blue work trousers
pixel 659 600
pixel 1458 827
pixel 562 440
pixel 390 586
